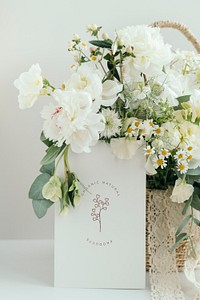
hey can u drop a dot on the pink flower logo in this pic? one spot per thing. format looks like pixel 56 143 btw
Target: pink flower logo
pixel 99 206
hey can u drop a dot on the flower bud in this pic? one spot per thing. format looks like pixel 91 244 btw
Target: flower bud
pixel 105 36
pixel 91 27
pixel 75 37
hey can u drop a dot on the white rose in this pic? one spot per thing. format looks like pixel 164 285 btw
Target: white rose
pixel 29 85
pixel 182 191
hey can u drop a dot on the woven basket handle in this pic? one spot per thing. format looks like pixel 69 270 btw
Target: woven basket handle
pixel 182 28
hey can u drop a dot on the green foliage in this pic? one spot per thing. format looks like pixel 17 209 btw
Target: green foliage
pixel 35 191
pixel 179 239
pixel 51 154
pixel 46 141
pixel 183 224
pixel 181 100
pixel 40 207
pixel 101 44
pixel 49 169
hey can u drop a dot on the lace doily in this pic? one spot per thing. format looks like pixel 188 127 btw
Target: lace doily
pixel 164 217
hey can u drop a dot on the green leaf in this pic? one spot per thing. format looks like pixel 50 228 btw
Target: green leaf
pixel 51 154
pixel 187 205
pixel 194 172
pixel 181 100
pixel 108 56
pixel 49 169
pixel 183 224
pixel 65 198
pixel 101 44
pixel 45 140
pixel 196 221
pixel 35 191
pixel 113 70
pixel 195 202
pixel 181 237
pixel 41 206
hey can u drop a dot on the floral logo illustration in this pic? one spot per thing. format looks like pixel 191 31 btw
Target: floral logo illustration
pixel 99 206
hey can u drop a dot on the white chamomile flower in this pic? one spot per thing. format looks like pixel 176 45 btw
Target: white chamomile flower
pixel 149 151
pixel 182 166
pixel 158 131
pixel 130 131
pixel 180 155
pixel 165 153
pixel 112 123
pixel 159 161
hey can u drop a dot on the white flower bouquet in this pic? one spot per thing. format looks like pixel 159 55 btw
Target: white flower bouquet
pixel 131 91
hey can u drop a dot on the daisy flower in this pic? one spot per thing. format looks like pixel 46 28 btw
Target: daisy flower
pixel 159 161
pixel 182 167
pixel 148 150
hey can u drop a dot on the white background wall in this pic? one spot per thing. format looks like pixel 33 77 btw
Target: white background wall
pixel 37 32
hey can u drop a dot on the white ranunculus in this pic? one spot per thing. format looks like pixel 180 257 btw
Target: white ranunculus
pixel 110 91
pixel 181 191
pixel 124 148
pixel 72 121
pixel 52 189
pixel 149 48
pixel 87 79
pixel 29 85
pixel 194 103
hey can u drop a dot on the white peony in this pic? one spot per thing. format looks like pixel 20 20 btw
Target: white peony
pixel 124 148
pixel 72 121
pixel 29 85
pixel 149 48
pixel 181 191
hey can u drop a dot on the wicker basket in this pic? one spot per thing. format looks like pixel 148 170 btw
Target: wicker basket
pixel 181 250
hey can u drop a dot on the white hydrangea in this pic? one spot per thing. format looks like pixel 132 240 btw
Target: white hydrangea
pixel 149 48
pixel 29 85
pixel 72 121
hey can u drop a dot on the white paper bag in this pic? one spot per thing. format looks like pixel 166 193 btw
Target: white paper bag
pixel 101 243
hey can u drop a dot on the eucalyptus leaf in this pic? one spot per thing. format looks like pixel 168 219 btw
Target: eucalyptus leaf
pixel 41 206
pixel 101 44
pixel 187 205
pixel 195 202
pixel 45 140
pixel 183 224
pixel 181 237
pixel 51 154
pixel 49 169
pixel 35 191
pixel 196 221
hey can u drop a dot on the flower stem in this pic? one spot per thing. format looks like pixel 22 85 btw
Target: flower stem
pixel 66 162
